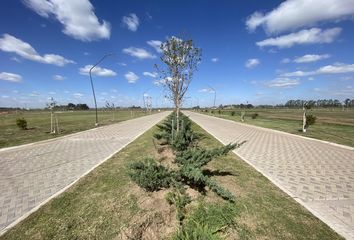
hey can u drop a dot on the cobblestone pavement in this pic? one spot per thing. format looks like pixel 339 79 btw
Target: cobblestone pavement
pixel 318 175
pixel 31 174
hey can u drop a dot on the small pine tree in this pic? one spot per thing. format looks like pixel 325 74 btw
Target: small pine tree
pixel 21 123
pixel 310 120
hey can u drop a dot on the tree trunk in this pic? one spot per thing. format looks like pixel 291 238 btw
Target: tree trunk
pixel 177 118
pixel 304 120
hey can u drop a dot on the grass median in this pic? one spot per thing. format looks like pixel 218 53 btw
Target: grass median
pixel 106 203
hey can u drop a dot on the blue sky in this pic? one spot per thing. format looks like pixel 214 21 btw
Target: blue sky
pixel 261 52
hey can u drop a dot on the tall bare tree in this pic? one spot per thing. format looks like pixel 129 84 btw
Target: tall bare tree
pixel 180 58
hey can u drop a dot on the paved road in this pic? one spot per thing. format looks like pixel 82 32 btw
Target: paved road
pixel 318 175
pixel 32 174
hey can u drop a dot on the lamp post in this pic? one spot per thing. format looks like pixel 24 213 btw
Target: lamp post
pixel 214 94
pixel 93 89
pixel 144 99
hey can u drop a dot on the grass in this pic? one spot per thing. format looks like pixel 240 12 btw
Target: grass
pixel 333 125
pixel 102 203
pixel 39 124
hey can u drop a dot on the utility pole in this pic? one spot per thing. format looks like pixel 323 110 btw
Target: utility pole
pixel 93 89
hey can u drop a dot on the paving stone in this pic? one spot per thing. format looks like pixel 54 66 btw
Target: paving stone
pixel 31 174
pixel 318 174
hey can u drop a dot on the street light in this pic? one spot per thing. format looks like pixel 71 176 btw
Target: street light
pixel 214 94
pixel 93 90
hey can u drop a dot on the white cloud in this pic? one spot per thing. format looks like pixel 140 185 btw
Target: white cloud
pixel 206 90
pixel 311 58
pixel 311 78
pixel 337 68
pixel 34 94
pixel 138 53
pixel 122 64
pixel 214 60
pixel 150 74
pixel 77 17
pixel 160 82
pixel 98 71
pixel 285 60
pixel 15 59
pixel 329 69
pixel 131 77
pixel 294 14
pixel 58 77
pixel 251 63
pixel 11 77
pixel 9 43
pixel 156 44
pixel 283 83
pixel 307 36
pixel 131 22
pixel 78 95
pixel 346 92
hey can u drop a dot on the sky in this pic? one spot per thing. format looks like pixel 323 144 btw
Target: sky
pixel 256 51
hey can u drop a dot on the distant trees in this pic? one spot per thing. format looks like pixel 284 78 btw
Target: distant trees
pixel 236 106
pixel 323 103
pixel 71 106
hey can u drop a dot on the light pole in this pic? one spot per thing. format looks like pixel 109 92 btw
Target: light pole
pixel 144 98
pixel 214 94
pixel 93 90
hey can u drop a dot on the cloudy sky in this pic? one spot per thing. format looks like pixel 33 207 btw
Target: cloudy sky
pixel 256 51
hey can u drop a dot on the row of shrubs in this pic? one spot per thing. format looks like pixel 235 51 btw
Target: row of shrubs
pixel 231 113
pixel 190 160
pixel 310 118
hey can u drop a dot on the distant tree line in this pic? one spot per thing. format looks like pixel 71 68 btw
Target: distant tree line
pixel 321 103
pixel 71 106
pixel 228 106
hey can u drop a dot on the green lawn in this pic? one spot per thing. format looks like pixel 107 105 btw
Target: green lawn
pixel 69 122
pixel 334 125
pixel 105 202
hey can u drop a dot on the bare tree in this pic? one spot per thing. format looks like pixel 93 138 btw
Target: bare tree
pixel 110 107
pixel 180 58
pixel 54 124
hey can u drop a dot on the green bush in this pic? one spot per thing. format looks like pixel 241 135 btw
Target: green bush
pixel 178 141
pixel 310 120
pixel 21 123
pixel 212 111
pixel 254 115
pixel 190 171
pixel 233 113
pixel 149 175
pixel 219 111
pixel 180 198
